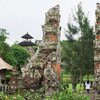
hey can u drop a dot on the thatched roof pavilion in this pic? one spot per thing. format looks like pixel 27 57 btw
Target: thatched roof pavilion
pixel 4 65
pixel 3 68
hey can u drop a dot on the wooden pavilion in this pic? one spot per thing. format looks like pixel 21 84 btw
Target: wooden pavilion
pixel 4 67
pixel 27 40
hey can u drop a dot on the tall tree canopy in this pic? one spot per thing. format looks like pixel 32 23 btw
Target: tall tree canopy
pixel 79 52
pixel 14 55
pixel 17 56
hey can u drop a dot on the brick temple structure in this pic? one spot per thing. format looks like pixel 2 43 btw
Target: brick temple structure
pixel 97 52
pixel 51 38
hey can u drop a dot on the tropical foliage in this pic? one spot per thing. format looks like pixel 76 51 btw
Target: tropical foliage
pixel 36 96
pixel 4 47
pixel 17 56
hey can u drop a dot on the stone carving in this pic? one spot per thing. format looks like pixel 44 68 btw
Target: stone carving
pixel 37 75
pixel 13 84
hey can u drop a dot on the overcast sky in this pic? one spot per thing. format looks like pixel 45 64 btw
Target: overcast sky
pixel 21 16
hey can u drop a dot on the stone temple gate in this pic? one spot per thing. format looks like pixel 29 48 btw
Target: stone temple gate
pixel 97 52
pixel 43 68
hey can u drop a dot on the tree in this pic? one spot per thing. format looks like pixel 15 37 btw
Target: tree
pixel 70 57
pixel 17 56
pixel 14 55
pixel 86 41
pixel 81 49
pixel 3 45
pixel 9 58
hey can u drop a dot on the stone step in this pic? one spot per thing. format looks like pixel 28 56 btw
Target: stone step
pixel 97 97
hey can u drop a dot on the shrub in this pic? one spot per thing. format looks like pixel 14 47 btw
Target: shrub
pixel 68 96
pixel 62 95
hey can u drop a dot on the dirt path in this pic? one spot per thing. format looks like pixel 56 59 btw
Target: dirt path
pixel 91 95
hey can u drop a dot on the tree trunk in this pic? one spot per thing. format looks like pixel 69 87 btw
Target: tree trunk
pixel 80 77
